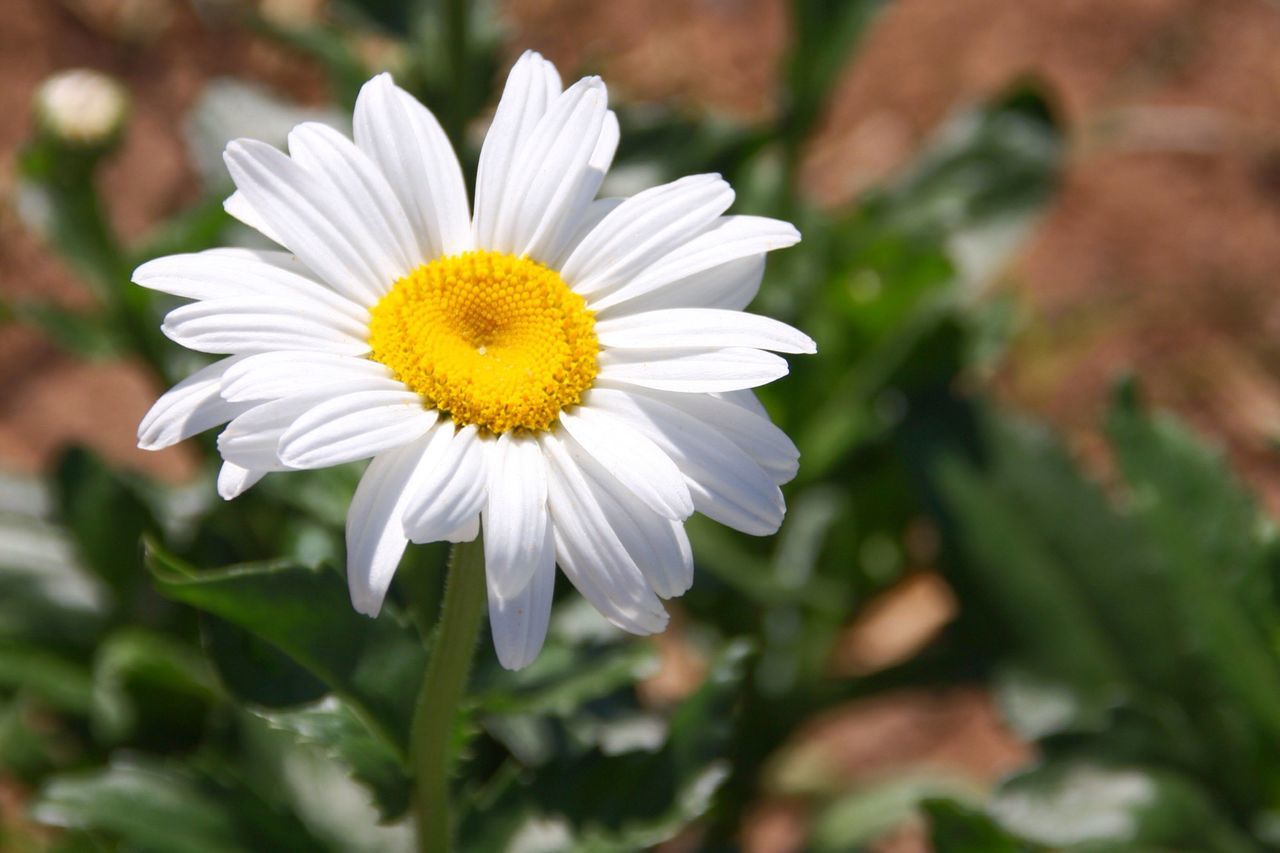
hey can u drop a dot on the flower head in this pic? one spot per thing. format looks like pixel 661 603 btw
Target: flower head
pixel 572 374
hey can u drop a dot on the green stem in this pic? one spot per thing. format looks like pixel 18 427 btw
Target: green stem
pixel 457 32
pixel 442 690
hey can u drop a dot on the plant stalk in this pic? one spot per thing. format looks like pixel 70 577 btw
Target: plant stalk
pixel 442 691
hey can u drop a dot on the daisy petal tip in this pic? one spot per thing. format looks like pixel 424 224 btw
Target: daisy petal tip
pixel 235 149
pixel 514 654
pixel 365 599
pixel 146 271
pixel 366 603
pixel 514 660
pixel 234 480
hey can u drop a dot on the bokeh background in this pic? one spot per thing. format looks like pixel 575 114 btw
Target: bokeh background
pixel 1026 594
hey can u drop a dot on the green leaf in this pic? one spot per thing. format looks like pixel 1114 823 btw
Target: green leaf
pixel 1070 803
pixel 151 807
pixel 1036 706
pixel 255 671
pixel 626 798
pixel 1028 587
pixel 62 206
pixel 860 817
pixel 150 689
pixel 958 828
pixel 826 32
pixel 1207 528
pixel 46 596
pixel 339 733
pixel 108 542
pixel 565 676
pixel 63 684
pixel 166 807
pixel 33 741
pixel 984 166
pixel 374 664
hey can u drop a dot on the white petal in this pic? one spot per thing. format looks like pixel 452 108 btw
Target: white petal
pixel 375 533
pixel 531 87
pixel 519 623
pixel 311 219
pixel 261 324
pixel 408 144
pixel 591 554
pixel 234 481
pixel 252 438
pixel 541 188
pixel 659 546
pixel 451 492
pixel 239 208
pixel 632 459
pixel 465 532
pixel 644 228
pixel 192 406
pixel 748 427
pixel 591 216
pixel 235 273
pixel 384 232
pixel 731 285
pixel 562 221
pixel 726 484
pixel 692 372
pixel 269 375
pixel 744 398
pixel 515 515
pixel 355 426
pixel 731 238
pixel 701 328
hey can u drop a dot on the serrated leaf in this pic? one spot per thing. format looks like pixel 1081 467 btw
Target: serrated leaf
pixel 374 664
pixel 339 733
pixel 635 798
pixel 563 677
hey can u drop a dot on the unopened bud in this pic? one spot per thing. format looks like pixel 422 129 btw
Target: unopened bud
pixel 81 107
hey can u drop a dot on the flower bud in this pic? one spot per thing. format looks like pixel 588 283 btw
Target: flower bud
pixel 81 108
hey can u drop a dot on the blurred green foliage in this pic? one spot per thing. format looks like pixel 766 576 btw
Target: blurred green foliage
pixel 183 674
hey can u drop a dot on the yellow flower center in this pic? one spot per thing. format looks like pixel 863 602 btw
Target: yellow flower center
pixel 490 339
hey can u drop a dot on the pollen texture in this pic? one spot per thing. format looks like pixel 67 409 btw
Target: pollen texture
pixel 491 339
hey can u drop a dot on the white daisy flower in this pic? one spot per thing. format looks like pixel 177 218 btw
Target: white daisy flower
pixel 570 374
